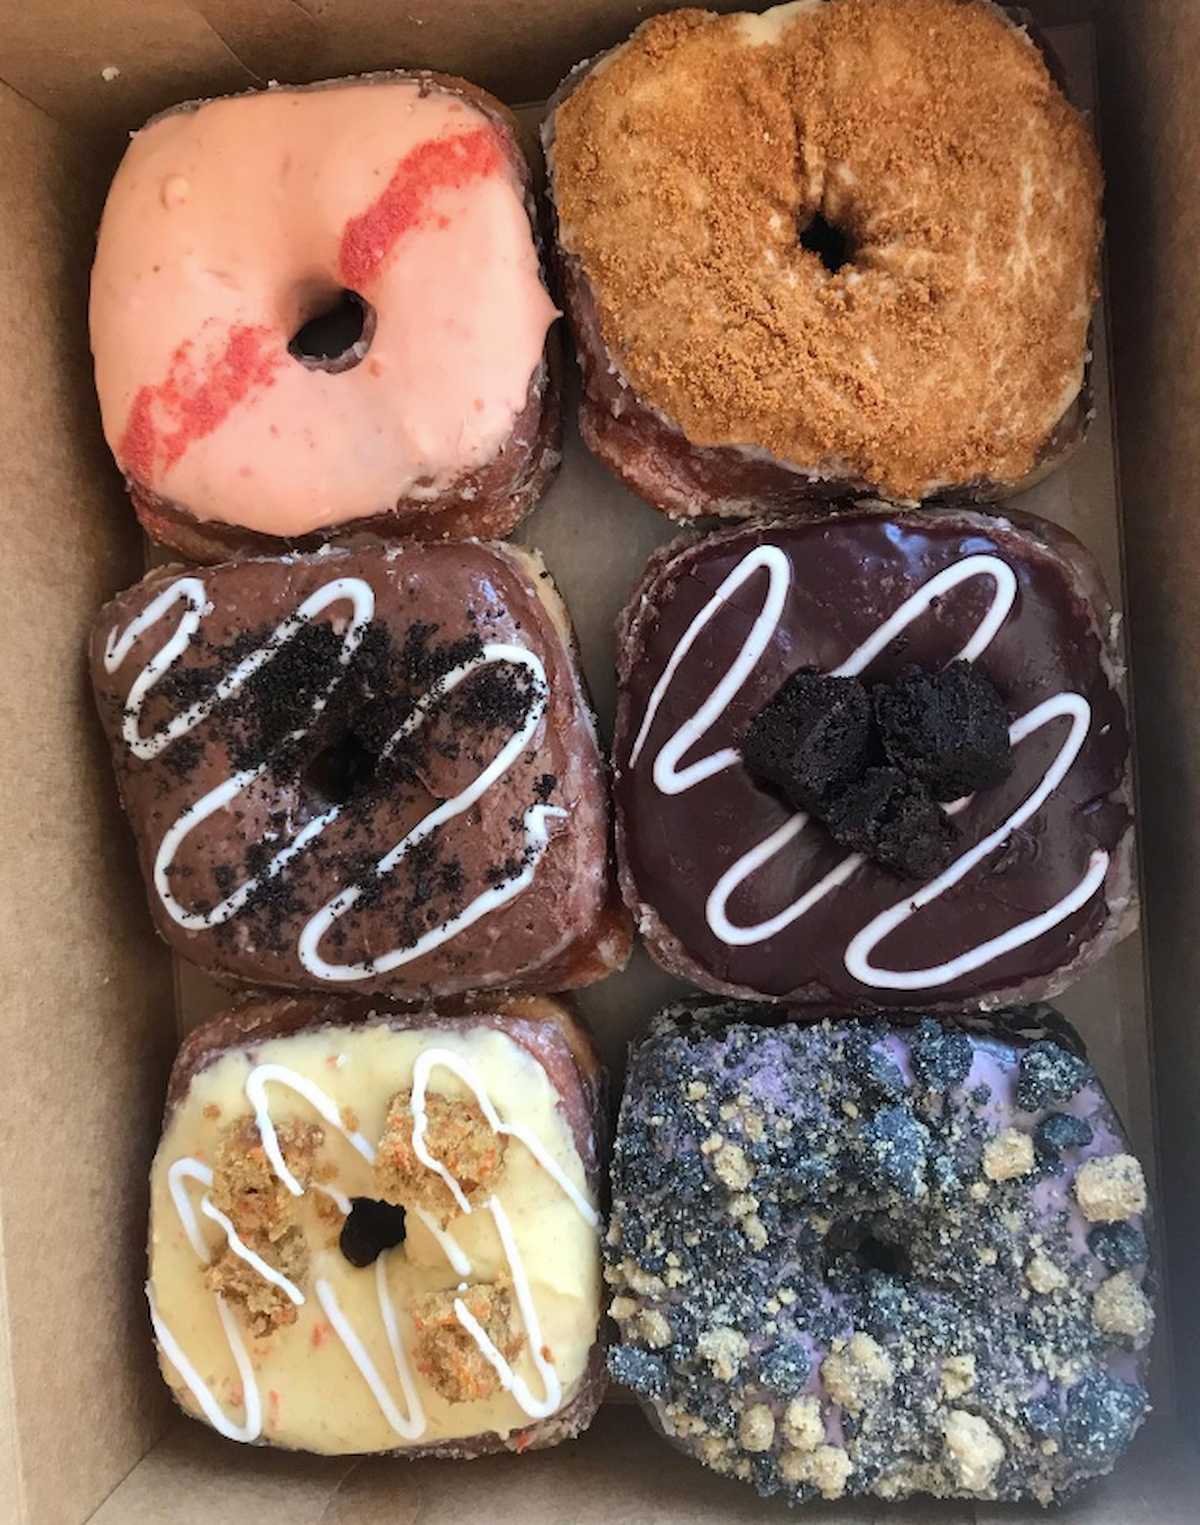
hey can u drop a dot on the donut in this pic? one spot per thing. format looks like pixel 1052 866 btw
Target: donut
pixel 379 1232
pixel 363 771
pixel 875 758
pixel 862 1258
pixel 838 248
pixel 319 311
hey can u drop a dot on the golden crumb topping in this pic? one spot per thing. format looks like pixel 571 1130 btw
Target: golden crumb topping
pixel 1111 1189
pixel 1008 1156
pixel 856 1372
pixel 457 1135
pixel 973 1450
pixel 803 1427
pixel 928 138
pixel 1121 1309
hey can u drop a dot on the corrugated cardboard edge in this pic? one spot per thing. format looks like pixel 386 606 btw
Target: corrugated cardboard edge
pixel 12 1480
pixel 1150 58
pixel 159 38
pixel 85 993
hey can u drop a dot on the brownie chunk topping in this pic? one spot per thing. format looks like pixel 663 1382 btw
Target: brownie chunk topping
pixel 872 765
pixel 947 729
pixel 888 817
pixel 940 1057
pixel 812 738
pixel 1058 1131
pixel 1102 1415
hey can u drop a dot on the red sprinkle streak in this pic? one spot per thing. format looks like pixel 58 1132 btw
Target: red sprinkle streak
pixel 441 164
pixel 194 400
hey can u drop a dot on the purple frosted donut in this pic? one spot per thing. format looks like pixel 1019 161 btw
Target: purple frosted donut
pixel 867 1258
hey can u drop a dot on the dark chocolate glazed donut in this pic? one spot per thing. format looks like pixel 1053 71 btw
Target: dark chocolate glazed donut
pixel 866 1258
pixel 368 771
pixel 737 892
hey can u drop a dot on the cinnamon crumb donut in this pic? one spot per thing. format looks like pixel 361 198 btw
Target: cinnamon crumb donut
pixel 841 246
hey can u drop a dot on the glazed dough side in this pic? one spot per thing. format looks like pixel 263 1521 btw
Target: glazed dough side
pixel 313 1395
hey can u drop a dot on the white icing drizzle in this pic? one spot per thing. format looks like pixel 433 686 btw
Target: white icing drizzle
pixel 459 1260
pixel 667 775
pixel 537 836
pixel 669 778
pixel 1004 581
pixel 430 1059
pixel 858 954
pixel 411 1425
pixel 267 1272
pixel 180 1171
pixel 211 1409
pixel 339 1198
pixel 716 907
pixel 191 591
pixel 509 1380
pixel 359 593
pixel 256 1092
pixel 190 1170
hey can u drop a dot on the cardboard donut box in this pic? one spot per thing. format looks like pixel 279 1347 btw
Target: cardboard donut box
pixel 91 1007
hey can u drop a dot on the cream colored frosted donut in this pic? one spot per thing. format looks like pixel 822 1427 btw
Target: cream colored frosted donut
pixel 379 1231
pixel 232 224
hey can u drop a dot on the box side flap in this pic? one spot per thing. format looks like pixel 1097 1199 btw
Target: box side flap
pixel 104 69
pixel 1150 61
pixel 61 56
pixel 85 999
pixel 619 1470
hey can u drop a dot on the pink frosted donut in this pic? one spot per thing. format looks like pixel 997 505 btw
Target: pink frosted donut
pixel 323 308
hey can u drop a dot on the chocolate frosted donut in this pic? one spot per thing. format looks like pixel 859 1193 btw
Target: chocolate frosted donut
pixel 839 247
pixel 856 1258
pixel 378 1232
pixel 744 892
pixel 317 311
pixel 369 771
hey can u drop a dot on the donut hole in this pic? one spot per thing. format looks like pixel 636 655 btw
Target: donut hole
pixel 337 335
pixel 865 1244
pixel 827 241
pixel 343 770
pixel 370 1228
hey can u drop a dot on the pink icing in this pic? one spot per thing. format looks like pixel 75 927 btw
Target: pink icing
pixel 227 227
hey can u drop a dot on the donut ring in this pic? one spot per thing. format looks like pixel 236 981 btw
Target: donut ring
pixel 879 1259
pixel 319 311
pixel 844 246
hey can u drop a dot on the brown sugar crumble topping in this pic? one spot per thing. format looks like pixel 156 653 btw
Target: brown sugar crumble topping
pixel 265 1306
pixel 448 1355
pixel 264 1213
pixel 457 1135
pixel 245 1187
